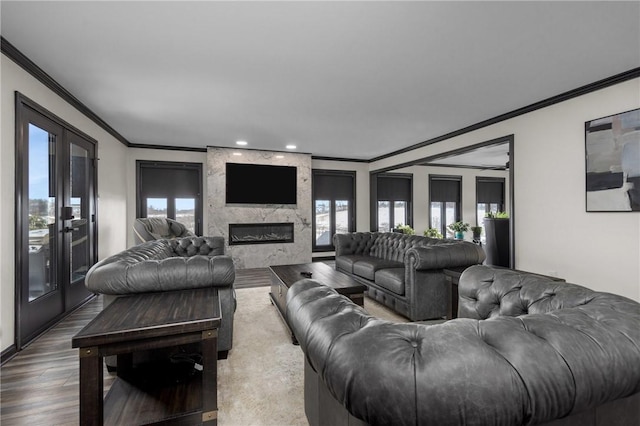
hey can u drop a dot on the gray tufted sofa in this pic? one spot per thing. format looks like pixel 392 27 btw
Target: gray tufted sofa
pixel 176 264
pixel 404 272
pixel 525 350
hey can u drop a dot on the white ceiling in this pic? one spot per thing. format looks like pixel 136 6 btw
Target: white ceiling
pixel 338 79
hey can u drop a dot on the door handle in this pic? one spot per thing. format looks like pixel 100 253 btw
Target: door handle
pixel 68 229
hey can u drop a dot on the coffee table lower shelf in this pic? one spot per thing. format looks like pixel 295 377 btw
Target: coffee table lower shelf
pixel 130 403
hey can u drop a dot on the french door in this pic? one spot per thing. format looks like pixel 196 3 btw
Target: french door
pixel 55 219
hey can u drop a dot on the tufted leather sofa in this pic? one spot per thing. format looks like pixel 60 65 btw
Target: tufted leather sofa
pixel 177 264
pixel 404 272
pixel 526 350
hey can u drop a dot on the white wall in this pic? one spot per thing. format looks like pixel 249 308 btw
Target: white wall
pixel 554 234
pixel 111 183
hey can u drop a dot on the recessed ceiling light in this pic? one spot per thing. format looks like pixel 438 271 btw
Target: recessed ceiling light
pixel 279 156
pixel 241 143
pixel 237 154
pixel 291 146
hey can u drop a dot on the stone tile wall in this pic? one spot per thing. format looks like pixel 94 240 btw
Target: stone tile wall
pixel 220 214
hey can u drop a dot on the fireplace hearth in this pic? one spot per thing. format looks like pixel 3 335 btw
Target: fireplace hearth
pixel 260 233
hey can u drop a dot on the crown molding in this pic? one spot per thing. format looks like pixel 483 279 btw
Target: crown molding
pixel 583 90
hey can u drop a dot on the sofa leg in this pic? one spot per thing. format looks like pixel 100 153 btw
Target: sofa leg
pixel 223 354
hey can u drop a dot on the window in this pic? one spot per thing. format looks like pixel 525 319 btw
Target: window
pixel 172 190
pixel 489 196
pixel 334 206
pixel 394 195
pixel 444 201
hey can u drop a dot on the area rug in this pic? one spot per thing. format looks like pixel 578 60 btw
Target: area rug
pixel 261 382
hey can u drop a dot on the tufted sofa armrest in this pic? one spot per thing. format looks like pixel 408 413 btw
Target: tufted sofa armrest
pixel 466 370
pixel 445 255
pixel 154 266
pixel 192 245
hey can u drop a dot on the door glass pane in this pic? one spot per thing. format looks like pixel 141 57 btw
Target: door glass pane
pixel 450 214
pixel 436 216
pixel 342 216
pixel 480 212
pixel 42 208
pixel 79 203
pixel 156 207
pixel 186 212
pixel 323 222
pixel 400 213
pixel 383 216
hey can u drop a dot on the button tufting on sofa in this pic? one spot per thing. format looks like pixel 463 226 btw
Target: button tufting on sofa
pixel 573 360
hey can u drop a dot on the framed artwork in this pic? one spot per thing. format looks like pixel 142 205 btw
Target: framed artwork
pixel 612 153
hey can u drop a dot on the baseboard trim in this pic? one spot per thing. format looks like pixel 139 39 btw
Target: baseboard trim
pixel 8 354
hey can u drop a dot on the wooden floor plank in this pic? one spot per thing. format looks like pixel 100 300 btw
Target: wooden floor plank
pixel 40 384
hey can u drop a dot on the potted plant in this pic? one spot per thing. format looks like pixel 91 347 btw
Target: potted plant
pixel 405 229
pixel 432 233
pixel 459 228
pixel 477 231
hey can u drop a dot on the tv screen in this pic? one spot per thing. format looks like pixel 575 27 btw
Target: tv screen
pixel 261 184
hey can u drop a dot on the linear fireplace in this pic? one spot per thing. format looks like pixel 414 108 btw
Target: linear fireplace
pixel 260 233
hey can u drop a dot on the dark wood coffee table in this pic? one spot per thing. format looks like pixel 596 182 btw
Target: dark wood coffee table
pixel 284 276
pixel 142 322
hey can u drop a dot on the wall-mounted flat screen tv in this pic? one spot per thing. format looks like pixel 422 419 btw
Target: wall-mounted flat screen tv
pixel 261 184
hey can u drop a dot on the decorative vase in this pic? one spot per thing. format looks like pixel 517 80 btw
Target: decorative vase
pixel 459 235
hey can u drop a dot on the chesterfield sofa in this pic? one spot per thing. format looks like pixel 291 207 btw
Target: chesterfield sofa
pixel 404 272
pixel 525 350
pixel 171 264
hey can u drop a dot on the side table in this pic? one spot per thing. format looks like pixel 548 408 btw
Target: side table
pixel 150 321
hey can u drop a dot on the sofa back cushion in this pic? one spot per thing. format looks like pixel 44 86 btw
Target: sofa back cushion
pixel 487 293
pixel 393 246
pixel 191 246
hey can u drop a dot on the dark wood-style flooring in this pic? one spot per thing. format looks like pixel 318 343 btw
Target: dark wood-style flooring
pixel 40 385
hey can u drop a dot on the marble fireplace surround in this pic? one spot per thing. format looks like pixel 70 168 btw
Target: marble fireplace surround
pixel 221 215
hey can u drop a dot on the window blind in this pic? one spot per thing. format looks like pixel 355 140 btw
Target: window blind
pixel 490 191
pixel 394 188
pixel 445 190
pixel 332 186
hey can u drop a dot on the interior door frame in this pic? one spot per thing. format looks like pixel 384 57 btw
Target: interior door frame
pixel 508 139
pixel 23 103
